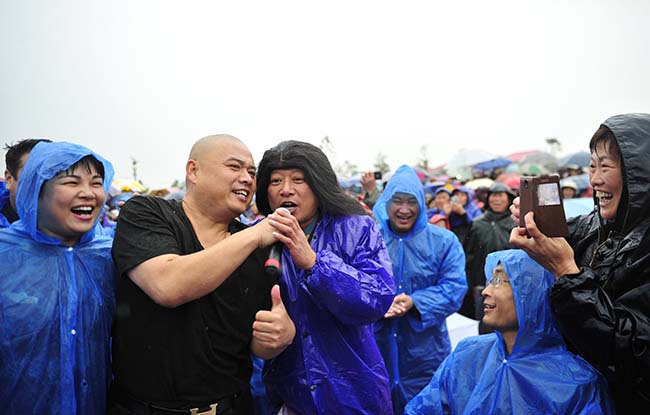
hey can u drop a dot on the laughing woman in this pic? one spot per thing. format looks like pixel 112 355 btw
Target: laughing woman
pixel 601 297
pixel 56 286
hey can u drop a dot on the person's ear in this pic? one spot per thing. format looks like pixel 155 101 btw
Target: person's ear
pixel 192 170
pixel 9 179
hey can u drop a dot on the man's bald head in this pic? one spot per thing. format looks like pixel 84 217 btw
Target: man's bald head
pixel 207 144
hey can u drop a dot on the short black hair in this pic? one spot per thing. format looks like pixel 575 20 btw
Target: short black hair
pixel 88 162
pixel 319 175
pixel 605 137
pixel 16 151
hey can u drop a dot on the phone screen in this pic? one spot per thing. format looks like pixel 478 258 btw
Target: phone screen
pixel 548 194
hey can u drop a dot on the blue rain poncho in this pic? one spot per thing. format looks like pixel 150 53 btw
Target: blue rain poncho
pixel 428 265
pixel 539 377
pixel 56 303
pixel 4 198
pixel 333 365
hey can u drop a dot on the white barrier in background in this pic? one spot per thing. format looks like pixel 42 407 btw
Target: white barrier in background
pixel 460 327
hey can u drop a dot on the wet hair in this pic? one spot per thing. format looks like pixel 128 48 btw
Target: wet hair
pixel 605 137
pixel 88 163
pixel 319 175
pixel 16 151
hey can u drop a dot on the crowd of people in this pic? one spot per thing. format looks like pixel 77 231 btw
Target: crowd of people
pixel 170 307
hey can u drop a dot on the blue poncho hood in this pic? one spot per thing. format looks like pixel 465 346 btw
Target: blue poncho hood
pixel 45 161
pixel 539 376
pixel 405 180
pixel 530 285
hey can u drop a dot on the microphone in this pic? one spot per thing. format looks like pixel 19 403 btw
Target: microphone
pixel 272 265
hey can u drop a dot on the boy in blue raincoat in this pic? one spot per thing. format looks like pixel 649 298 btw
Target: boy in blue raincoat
pixel 429 268
pixel 521 368
pixel 336 281
pixel 56 286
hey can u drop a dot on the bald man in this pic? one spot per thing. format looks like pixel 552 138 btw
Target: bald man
pixel 192 298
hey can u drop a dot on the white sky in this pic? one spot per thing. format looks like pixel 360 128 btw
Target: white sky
pixel 146 78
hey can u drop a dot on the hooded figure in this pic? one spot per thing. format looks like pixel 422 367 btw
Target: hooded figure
pixel 429 267
pixel 604 310
pixel 539 376
pixel 56 298
pixel 488 233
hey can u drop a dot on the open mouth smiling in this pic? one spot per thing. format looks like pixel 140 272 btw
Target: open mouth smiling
pixel 604 195
pixel 82 210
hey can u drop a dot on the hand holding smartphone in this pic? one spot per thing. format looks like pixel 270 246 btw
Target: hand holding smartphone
pixel 542 196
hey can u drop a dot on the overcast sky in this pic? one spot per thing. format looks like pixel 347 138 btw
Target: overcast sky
pixel 145 79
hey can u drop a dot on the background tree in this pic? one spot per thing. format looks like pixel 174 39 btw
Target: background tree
pixel 381 164
pixel 423 159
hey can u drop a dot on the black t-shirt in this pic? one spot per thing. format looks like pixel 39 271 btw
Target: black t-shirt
pixel 198 352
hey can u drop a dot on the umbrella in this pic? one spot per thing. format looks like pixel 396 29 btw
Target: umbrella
pixel 492 164
pixel 509 179
pixel 422 173
pixel 516 157
pixel 579 159
pixel 126 185
pixel 476 183
pixel 581 180
pixel 535 164
pixel 461 163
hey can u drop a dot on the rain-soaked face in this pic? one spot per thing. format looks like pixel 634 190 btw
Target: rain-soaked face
pixel 499 308
pixel 403 210
pixel 606 178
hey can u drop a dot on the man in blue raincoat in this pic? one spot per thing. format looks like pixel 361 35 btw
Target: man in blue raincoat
pixel 429 268
pixel 57 286
pixel 15 159
pixel 336 281
pixel 523 367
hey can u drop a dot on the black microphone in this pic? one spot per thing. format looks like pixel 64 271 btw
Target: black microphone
pixel 272 265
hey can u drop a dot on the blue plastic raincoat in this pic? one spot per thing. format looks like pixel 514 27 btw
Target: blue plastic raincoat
pixel 56 303
pixel 429 265
pixel 4 198
pixel 333 365
pixel 539 377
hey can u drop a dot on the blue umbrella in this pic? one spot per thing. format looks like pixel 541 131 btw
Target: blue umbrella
pixel 492 164
pixel 580 159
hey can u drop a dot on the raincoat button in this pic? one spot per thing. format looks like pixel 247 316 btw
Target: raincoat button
pixel 84 383
pixel 73 332
pixel 505 361
pixel 70 249
pixel 312 388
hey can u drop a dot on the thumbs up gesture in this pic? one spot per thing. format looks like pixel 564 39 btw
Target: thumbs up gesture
pixel 273 330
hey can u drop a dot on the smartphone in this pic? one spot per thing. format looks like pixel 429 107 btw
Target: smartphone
pixel 377 175
pixel 542 195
